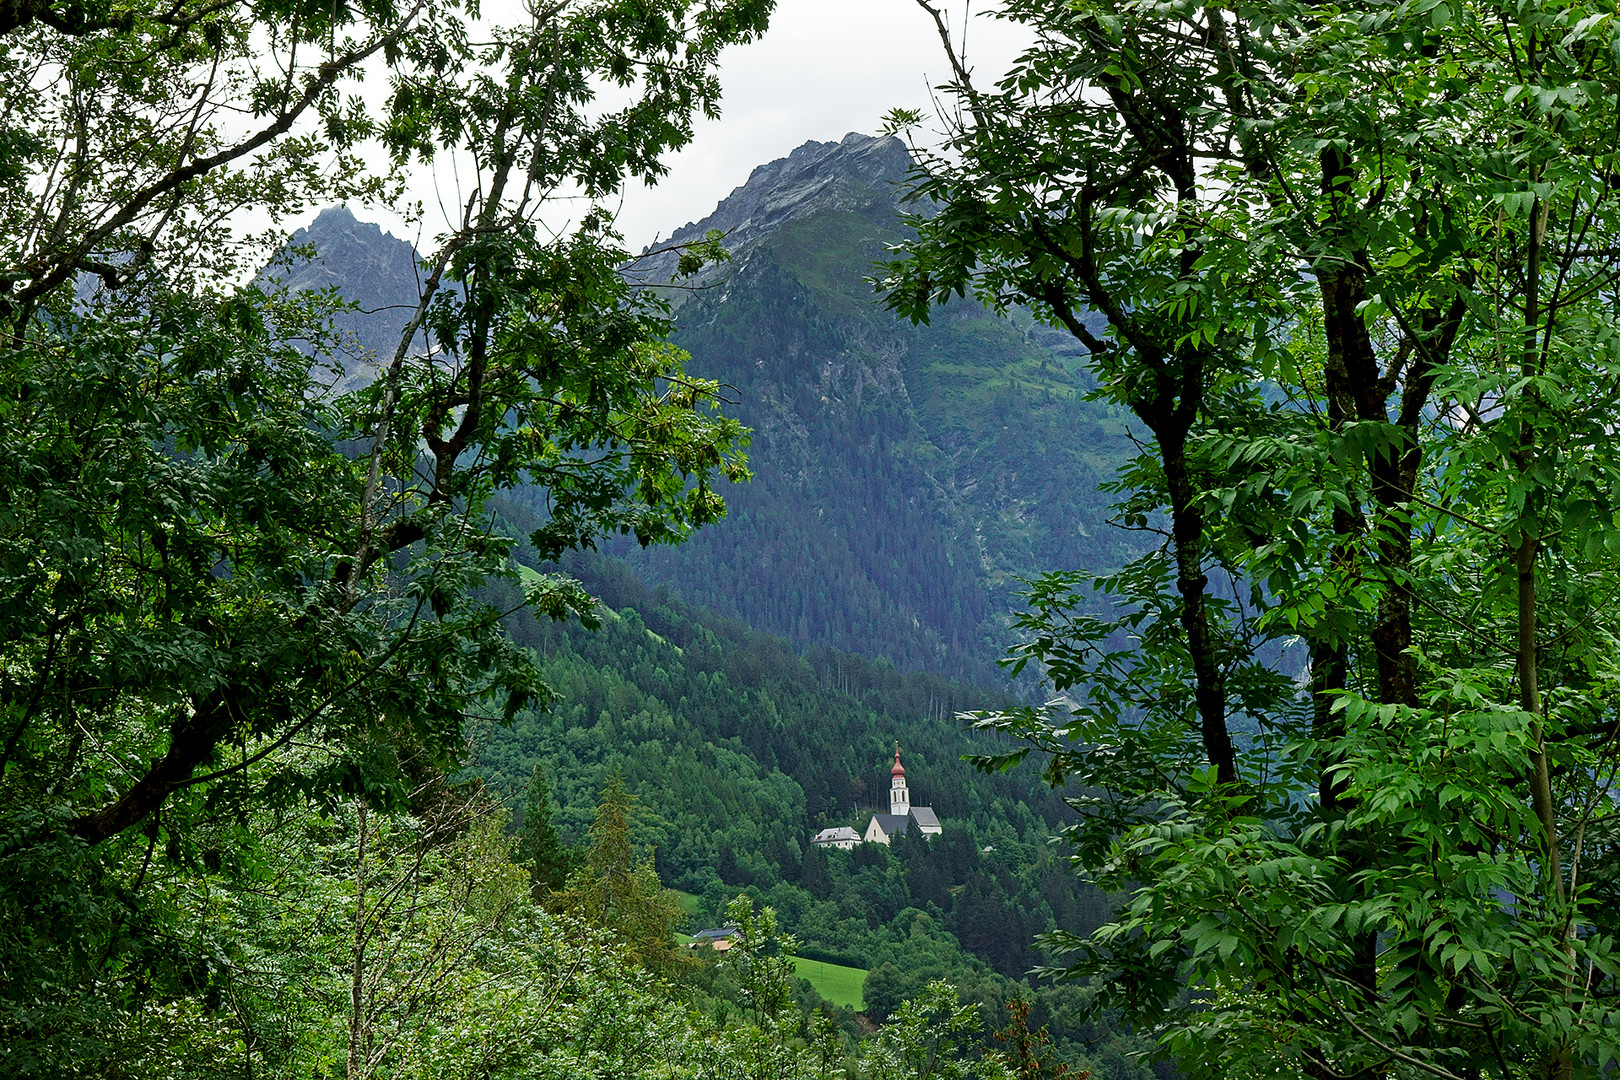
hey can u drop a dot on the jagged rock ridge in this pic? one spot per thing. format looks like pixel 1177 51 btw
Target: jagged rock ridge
pixel 851 174
pixel 374 270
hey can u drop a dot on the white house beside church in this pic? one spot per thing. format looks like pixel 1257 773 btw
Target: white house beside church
pixel 901 818
pixel 840 836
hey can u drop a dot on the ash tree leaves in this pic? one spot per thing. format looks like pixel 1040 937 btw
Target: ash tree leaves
pixel 225 585
pixel 1375 247
pixel 236 551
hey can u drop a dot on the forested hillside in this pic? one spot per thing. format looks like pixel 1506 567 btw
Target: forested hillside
pixel 905 478
pixel 737 747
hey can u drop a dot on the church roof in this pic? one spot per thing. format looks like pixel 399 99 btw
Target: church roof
pixel 895 824
pixel 892 824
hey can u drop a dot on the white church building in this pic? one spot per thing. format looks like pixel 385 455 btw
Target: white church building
pixel 901 818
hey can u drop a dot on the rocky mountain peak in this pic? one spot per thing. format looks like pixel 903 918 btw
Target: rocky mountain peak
pixel 375 270
pixel 858 173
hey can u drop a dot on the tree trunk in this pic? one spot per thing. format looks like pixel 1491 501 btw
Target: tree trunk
pixel 1187 527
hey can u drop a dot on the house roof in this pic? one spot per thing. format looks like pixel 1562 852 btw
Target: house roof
pixel 835 834
pixel 723 933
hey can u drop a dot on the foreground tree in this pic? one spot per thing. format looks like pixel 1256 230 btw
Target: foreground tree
pixel 223 583
pixel 1355 274
pixel 618 889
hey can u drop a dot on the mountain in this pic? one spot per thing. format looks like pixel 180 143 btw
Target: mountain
pixel 374 271
pixel 906 478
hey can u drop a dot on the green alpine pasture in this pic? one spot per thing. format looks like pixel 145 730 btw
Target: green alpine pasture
pixel 838 984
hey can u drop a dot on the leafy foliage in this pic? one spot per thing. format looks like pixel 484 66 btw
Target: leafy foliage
pixel 1358 289
pixel 230 584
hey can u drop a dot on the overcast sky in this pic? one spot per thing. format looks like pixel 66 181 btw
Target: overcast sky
pixel 825 68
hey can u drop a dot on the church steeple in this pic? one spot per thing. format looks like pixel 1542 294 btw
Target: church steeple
pixel 899 795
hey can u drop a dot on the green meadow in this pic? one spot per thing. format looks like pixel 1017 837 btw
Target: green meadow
pixel 838 984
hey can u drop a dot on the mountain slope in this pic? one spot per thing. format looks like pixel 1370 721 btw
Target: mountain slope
pixel 905 477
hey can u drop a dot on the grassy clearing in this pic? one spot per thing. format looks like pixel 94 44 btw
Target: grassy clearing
pixel 834 982
pixel 838 984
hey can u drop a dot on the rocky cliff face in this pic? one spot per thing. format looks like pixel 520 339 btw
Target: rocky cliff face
pixel 858 175
pixel 371 269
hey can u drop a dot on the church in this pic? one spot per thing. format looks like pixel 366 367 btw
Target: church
pixel 901 818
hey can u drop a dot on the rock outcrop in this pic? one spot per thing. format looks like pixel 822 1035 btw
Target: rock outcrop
pixel 371 269
pixel 860 173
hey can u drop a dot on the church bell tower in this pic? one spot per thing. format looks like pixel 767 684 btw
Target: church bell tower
pixel 899 796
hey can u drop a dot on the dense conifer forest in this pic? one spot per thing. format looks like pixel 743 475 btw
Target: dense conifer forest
pixel 739 749
pixel 906 479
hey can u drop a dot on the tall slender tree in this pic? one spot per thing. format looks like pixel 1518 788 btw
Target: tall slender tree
pixel 618 889
pixel 549 860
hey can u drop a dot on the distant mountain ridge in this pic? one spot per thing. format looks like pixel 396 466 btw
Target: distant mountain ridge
pixel 852 174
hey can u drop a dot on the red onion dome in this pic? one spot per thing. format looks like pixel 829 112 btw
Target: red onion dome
pixel 899 769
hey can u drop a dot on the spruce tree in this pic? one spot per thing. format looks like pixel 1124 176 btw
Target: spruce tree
pixel 548 859
pixel 618 889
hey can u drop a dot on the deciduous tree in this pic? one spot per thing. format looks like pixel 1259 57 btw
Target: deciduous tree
pixel 223 583
pixel 1356 256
